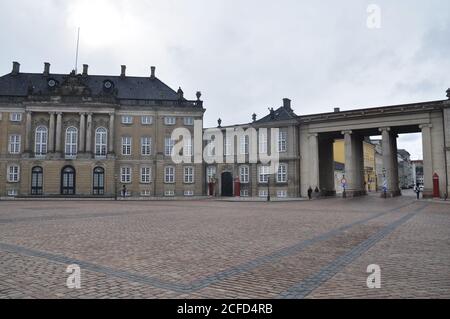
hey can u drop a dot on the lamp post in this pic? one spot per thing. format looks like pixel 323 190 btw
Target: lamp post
pixel 384 183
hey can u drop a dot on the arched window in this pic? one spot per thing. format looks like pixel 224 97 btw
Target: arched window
pixel 41 141
pixel 71 141
pixel 100 142
pixel 68 180
pixel 36 180
pixel 99 181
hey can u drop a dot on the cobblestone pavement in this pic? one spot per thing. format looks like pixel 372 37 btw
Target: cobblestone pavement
pixel 217 249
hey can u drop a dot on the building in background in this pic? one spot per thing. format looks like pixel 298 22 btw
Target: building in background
pixel 91 135
pixel 417 171
pixel 405 169
pixel 370 176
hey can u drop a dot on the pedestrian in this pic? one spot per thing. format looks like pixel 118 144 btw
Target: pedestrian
pixel 316 192
pixel 310 190
pixel 124 191
pixel 417 190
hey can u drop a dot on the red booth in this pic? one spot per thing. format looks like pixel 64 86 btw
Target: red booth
pixel 436 193
pixel 237 187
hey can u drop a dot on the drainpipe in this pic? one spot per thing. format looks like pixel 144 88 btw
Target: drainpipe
pixel 445 155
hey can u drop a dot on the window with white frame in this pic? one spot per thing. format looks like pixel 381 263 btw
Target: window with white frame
pixel 282 141
pixel 262 142
pixel 282 173
pixel 168 146
pixel 211 147
pixel 169 193
pixel 188 121
pixel 170 120
pixel 126 145
pixel 101 136
pixel 188 193
pixel 244 144
pixel 13 173
pixel 146 120
pixel 282 194
pixel 125 174
pixel 146 174
pixel 71 141
pixel 227 146
pixel 244 192
pixel 264 173
pixel 169 174
pixel 263 193
pixel 187 147
pixel 146 146
pixel 12 192
pixel 40 141
pixel 15 117
pixel 127 119
pixel 188 174
pixel 14 144
pixel 244 174
pixel 145 192
pixel 210 173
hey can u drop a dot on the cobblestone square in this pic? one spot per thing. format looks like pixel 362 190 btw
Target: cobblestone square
pixel 220 249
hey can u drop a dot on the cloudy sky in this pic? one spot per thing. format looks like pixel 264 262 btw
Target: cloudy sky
pixel 246 55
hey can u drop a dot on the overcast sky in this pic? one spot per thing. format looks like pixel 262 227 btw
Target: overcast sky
pixel 245 55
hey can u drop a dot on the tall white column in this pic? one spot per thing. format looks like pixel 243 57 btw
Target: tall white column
pixel 81 145
pixel 314 160
pixel 58 137
pixel 111 134
pixel 28 133
pixel 51 133
pixel 427 160
pixel 350 169
pixel 395 178
pixel 89 133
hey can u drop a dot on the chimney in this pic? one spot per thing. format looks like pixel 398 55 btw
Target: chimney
pixel 287 103
pixel 337 110
pixel 448 94
pixel 16 68
pixel 46 69
pixel 123 71
pixel 85 69
pixel 153 72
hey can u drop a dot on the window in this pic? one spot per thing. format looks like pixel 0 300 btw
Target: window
pixel 37 180
pixel 282 141
pixel 170 120
pixel 169 174
pixel 71 141
pixel 263 193
pixel 244 144
pixel 14 144
pixel 12 192
pixel 15 117
pixel 227 146
pixel 188 193
pixel 282 194
pixel 264 174
pixel 146 146
pixel 100 142
pixel 146 174
pixel 168 146
pixel 125 174
pixel 13 173
pixel 282 173
pixel 244 192
pixel 263 142
pixel 99 181
pixel 145 192
pixel 127 119
pixel 146 120
pixel 169 193
pixel 126 145
pixel 187 148
pixel 68 177
pixel 244 174
pixel 41 141
pixel 188 174
pixel 210 173
pixel 188 121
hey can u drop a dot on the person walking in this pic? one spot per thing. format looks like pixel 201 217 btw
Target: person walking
pixel 417 190
pixel 310 190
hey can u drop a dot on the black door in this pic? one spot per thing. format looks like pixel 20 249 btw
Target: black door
pixel 99 181
pixel 36 180
pixel 227 184
pixel 68 181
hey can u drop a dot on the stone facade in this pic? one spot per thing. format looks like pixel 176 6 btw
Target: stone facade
pixel 86 135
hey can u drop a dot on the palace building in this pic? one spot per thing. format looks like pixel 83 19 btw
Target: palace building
pixel 90 135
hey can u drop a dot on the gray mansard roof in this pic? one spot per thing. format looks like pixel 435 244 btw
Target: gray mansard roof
pixel 283 113
pixel 135 88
